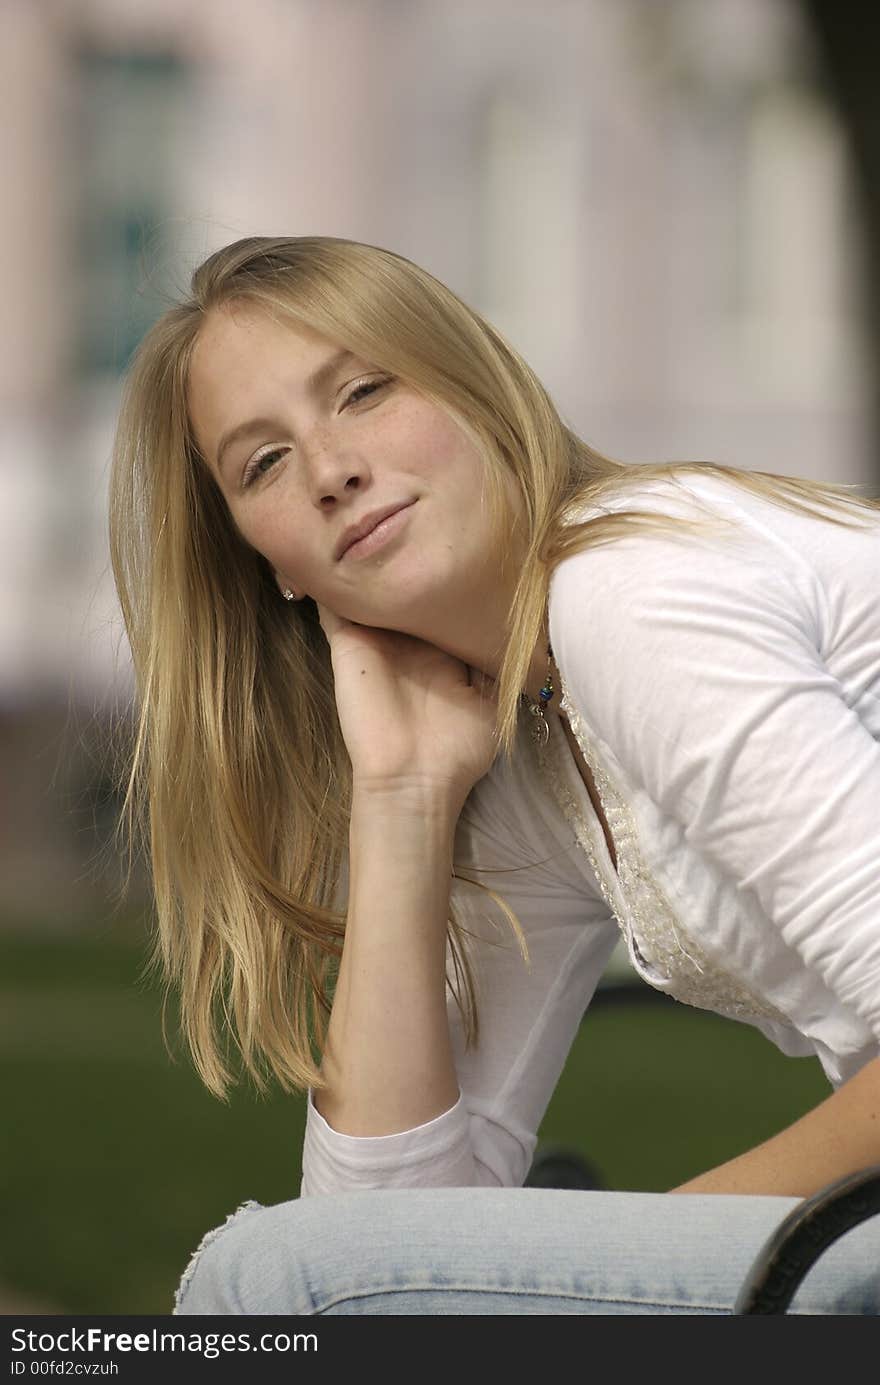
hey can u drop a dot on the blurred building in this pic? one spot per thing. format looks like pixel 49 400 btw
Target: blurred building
pixel 650 198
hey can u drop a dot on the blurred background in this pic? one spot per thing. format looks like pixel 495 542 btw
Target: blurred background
pixel 671 209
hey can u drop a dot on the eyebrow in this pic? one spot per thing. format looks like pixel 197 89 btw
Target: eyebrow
pixel 314 383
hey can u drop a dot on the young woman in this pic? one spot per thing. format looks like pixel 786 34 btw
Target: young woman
pixel 435 703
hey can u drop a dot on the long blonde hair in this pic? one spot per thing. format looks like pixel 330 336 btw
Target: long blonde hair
pixel 237 779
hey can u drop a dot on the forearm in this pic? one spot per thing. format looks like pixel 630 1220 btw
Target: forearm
pixel 388 1057
pixel 839 1136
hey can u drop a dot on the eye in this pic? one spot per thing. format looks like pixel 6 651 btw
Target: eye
pixel 254 469
pixel 365 388
pixel 257 469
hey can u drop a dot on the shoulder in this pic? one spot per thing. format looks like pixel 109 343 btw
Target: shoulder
pixel 728 544
pixel 665 638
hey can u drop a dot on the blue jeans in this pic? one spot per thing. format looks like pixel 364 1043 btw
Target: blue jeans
pixel 510 1251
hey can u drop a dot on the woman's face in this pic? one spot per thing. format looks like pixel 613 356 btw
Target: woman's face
pixel 306 441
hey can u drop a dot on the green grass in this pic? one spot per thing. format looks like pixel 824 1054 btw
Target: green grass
pixel 654 1093
pixel 114 1160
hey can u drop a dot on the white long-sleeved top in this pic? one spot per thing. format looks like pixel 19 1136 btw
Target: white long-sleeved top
pixel 725 691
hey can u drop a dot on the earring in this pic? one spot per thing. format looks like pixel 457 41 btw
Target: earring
pixel 288 594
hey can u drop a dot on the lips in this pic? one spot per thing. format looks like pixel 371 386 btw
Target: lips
pixel 366 526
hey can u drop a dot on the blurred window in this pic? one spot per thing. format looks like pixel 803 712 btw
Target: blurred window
pixel 130 105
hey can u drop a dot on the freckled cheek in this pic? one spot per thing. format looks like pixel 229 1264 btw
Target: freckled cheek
pixel 438 448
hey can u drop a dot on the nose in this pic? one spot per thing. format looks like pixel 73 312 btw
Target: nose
pixel 332 467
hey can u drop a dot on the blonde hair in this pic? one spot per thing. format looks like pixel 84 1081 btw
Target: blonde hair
pixel 237 778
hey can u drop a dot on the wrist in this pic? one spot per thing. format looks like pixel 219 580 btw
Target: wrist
pixel 417 796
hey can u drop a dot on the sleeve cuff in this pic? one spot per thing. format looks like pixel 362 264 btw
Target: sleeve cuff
pixel 436 1154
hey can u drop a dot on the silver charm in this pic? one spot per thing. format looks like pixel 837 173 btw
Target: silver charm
pixel 540 729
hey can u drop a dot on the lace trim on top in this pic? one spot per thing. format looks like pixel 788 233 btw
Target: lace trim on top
pixel 661 950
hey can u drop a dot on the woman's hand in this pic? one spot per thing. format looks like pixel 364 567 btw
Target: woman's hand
pixel 412 715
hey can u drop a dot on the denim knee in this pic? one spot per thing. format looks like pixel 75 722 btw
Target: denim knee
pixel 207 1282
